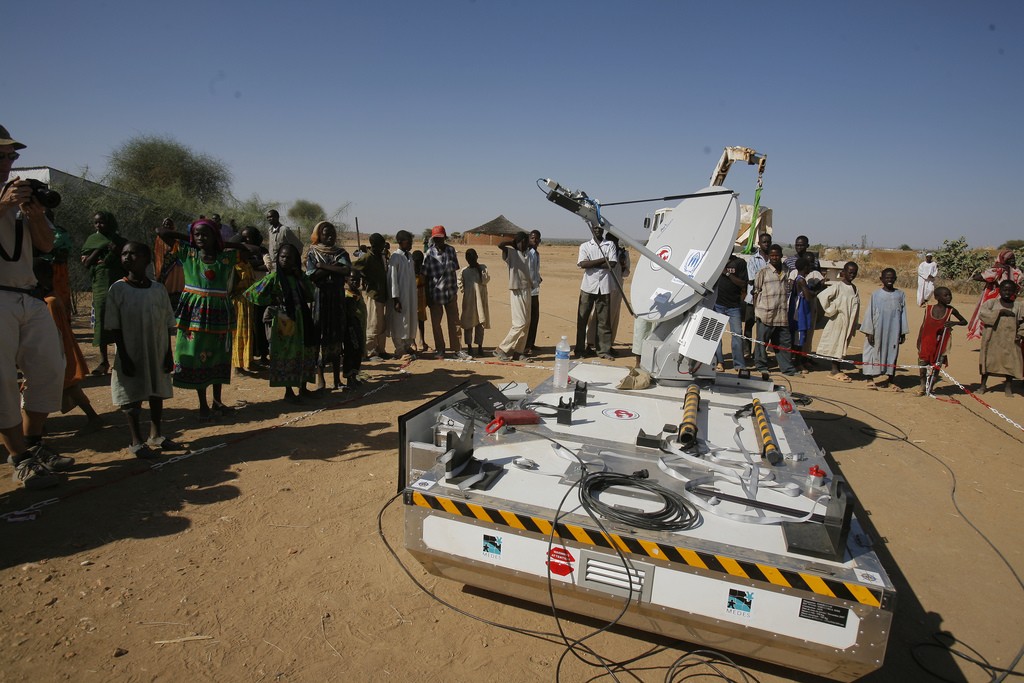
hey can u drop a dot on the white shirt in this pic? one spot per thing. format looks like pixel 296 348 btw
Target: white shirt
pixel 17 273
pixel 756 263
pixel 597 280
pixel 518 269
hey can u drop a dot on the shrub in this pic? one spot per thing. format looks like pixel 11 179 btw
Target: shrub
pixel 958 261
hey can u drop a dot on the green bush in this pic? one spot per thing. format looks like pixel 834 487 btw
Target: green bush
pixel 958 261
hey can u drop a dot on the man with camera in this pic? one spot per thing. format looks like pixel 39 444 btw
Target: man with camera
pixel 30 340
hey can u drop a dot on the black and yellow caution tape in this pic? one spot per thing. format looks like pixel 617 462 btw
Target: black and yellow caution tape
pixel 711 562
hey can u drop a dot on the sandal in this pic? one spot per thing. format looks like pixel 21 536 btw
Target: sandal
pixel 840 377
pixel 141 450
pixel 222 410
pixel 920 392
pixel 101 369
pixel 162 443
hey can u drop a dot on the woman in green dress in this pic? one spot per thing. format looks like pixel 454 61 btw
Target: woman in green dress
pixel 205 314
pixel 101 255
pixel 287 293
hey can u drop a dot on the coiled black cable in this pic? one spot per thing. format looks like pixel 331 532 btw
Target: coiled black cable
pixel 675 515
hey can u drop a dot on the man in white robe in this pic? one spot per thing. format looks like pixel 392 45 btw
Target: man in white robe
pixel 402 286
pixel 927 271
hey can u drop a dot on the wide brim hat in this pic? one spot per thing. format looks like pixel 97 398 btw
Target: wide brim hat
pixel 6 139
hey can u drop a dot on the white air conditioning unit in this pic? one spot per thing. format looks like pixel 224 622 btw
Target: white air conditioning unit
pixel 701 334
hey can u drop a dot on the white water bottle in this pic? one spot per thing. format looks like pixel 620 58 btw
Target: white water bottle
pixel 562 364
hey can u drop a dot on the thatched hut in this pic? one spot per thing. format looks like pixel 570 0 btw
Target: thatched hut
pixel 491 233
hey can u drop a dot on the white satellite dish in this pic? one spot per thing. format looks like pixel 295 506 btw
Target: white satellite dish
pixel 697 238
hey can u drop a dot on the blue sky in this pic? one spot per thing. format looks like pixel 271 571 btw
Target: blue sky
pixel 900 121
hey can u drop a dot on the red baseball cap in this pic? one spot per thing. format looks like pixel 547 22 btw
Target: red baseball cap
pixel 438 231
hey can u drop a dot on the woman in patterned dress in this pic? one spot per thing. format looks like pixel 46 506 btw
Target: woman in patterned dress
pixel 205 315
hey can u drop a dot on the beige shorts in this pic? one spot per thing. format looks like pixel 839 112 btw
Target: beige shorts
pixel 29 341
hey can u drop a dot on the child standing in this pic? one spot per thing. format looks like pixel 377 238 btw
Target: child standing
pixel 287 292
pixel 141 322
pixel 473 281
pixel 885 325
pixel 800 312
pixel 933 337
pixel 355 330
pixel 205 314
pixel 1002 337
pixel 841 304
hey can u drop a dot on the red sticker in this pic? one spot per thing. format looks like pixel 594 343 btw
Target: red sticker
pixel 620 414
pixel 561 555
pixel 664 253
pixel 559 568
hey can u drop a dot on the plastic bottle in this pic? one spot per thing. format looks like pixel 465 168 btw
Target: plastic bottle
pixel 562 364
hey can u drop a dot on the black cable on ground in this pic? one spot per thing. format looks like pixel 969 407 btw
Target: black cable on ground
pixel 996 673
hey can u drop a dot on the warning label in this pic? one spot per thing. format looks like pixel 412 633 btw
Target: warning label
pixel 824 613
pixel 560 561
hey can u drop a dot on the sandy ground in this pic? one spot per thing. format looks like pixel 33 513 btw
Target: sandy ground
pixel 259 559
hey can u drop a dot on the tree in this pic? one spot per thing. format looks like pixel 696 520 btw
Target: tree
pixel 958 261
pixel 905 247
pixel 1016 245
pixel 149 164
pixel 306 213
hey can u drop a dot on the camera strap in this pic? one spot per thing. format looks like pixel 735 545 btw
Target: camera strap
pixel 19 238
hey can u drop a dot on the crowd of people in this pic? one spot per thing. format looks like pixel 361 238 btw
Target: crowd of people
pixel 783 298
pixel 292 310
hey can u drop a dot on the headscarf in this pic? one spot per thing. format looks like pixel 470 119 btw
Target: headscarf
pixel 218 240
pixel 316 236
pixel 1003 270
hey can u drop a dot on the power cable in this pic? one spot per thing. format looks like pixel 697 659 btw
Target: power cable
pixel 979 661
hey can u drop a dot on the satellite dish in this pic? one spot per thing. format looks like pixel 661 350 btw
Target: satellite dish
pixel 697 237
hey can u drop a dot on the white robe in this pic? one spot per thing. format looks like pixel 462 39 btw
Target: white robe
pixel 926 273
pixel 402 286
pixel 841 305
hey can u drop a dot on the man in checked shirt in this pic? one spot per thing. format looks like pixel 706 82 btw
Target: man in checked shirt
pixel 441 268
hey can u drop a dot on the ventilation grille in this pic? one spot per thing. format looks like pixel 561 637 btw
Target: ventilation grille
pixel 613 577
pixel 710 329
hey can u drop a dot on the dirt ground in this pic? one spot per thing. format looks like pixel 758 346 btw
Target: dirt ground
pixel 257 558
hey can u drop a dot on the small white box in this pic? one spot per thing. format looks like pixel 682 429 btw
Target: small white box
pixel 701 334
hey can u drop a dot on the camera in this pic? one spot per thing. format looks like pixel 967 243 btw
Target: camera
pixel 50 199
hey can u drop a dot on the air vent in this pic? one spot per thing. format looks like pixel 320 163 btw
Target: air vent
pixel 710 329
pixel 611 576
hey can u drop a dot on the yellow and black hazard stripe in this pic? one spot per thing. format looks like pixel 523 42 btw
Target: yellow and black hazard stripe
pixel 712 562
